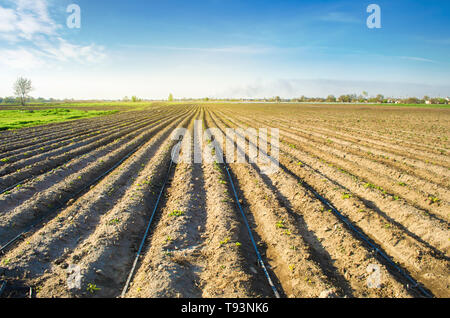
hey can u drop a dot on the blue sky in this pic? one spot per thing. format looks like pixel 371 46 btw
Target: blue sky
pixel 225 48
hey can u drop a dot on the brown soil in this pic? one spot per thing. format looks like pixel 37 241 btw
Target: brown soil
pixel 90 187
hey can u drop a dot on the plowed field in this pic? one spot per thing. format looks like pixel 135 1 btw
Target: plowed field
pixel 362 195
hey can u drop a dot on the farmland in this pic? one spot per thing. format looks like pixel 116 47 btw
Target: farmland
pixel 360 189
pixel 15 119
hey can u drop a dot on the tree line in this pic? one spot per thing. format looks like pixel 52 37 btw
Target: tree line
pixel 22 87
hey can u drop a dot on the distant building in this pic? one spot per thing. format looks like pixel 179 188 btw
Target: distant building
pixel 428 102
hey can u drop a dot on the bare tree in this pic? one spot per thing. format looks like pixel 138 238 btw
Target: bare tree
pixel 22 87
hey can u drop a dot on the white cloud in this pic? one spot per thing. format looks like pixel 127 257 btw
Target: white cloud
pixel 8 19
pixel 29 19
pixel 21 58
pixel 36 38
pixel 64 51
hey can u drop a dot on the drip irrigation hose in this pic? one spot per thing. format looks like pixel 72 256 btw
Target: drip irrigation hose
pixel 375 248
pixel 2 287
pixel 40 220
pixel 260 261
pixel 258 254
pixel 414 283
pixel 149 224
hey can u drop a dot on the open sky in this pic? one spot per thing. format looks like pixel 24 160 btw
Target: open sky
pixel 225 48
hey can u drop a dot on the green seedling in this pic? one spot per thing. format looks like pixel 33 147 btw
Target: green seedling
pixel 280 224
pixel 114 221
pixel 176 213
pixel 92 288
pixel 434 199
pixel 346 196
pixel 225 241
pixel 238 244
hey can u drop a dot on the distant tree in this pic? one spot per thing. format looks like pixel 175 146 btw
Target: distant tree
pixel 22 87
pixel 277 99
pixel 126 99
pixel 411 100
pixel 170 97
pixel 344 98
pixel 134 99
pixel 331 99
pixel 379 98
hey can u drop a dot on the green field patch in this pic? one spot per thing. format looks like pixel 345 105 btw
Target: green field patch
pixel 15 119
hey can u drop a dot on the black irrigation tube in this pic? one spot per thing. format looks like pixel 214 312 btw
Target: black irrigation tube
pixel 76 194
pixel 324 201
pixel 15 185
pixel 260 261
pixel 144 238
pixel 414 283
pixel 2 287
pixel 258 254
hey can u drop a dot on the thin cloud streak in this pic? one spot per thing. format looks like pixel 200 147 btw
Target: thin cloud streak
pixel 417 59
pixel 226 49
